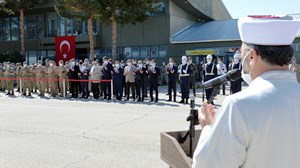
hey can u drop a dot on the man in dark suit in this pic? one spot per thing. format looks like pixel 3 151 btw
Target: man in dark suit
pixel 154 72
pixel 172 74
pixel 118 80
pixel 107 75
pixel 141 75
pixel 74 72
pixel 84 75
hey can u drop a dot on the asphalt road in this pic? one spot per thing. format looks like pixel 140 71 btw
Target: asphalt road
pixel 68 133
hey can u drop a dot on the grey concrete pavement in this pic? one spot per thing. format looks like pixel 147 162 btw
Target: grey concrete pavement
pixel 68 133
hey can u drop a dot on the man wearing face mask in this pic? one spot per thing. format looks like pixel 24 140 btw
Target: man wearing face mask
pixel 118 80
pixel 53 77
pixel 107 75
pixel 9 73
pixel 40 72
pixel 154 72
pixel 163 74
pixel 172 75
pixel 18 75
pixel 62 76
pixel 210 72
pixel 96 75
pixel 193 75
pixel 73 75
pixel 141 76
pixel 253 124
pixel 236 86
pixel 184 71
pixel 26 83
pixel 147 66
pixel 129 73
pixel 84 75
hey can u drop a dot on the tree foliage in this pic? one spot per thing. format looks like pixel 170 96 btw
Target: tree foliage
pixel 80 9
pixel 124 12
pixel 77 9
pixel 19 6
pixel 16 5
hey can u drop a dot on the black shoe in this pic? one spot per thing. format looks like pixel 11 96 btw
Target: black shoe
pixel 156 100
pixel 174 100
pixel 151 100
pixel 139 100
pixel 169 100
pixel 182 101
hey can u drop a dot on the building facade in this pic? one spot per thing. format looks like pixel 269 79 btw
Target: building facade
pixel 150 39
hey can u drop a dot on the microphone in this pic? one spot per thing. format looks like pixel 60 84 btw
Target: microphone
pixel 229 76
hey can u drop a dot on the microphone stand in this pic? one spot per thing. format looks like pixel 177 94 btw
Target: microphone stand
pixel 193 119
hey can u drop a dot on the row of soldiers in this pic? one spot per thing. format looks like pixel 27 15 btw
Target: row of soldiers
pixel 139 76
pixel 32 78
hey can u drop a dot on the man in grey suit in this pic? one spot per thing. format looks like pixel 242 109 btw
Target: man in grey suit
pixel 129 73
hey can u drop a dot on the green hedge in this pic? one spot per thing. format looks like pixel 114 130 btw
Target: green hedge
pixel 11 57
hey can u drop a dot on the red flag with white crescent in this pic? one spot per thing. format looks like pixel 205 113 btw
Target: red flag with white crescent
pixel 64 48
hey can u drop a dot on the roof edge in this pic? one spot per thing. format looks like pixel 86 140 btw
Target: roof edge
pixel 205 41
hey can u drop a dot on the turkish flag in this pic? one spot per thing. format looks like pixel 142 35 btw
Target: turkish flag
pixel 65 48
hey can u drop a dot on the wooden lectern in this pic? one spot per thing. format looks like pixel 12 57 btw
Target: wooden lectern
pixel 174 153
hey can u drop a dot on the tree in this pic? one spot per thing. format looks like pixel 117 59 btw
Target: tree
pixel 83 10
pixel 20 6
pixel 124 12
pixel 3 9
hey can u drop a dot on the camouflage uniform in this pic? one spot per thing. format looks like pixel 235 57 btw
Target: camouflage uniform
pixel 18 74
pixel 62 75
pixel 40 72
pixel 33 79
pixel 10 74
pixel 26 83
pixel 52 76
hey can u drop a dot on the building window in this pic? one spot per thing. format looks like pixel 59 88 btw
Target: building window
pixel 42 54
pixel 78 27
pixel 6 29
pixel 154 52
pixel 135 52
pixel 30 27
pixel 39 26
pixel 15 29
pixel 144 52
pixel 31 57
pixel 86 28
pixel 52 25
pixel 128 52
pixel 162 51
